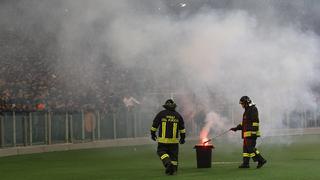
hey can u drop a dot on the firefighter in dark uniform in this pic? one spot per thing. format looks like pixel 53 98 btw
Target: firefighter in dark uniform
pixel 170 124
pixel 250 133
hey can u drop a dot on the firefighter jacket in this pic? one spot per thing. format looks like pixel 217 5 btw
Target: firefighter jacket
pixel 250 122
pixel 170 123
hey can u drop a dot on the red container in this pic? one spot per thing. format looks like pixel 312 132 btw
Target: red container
pixel 204 155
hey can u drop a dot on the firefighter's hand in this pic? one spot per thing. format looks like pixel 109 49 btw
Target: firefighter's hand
pixel 182 138
pixel 153 136
pixel 182 141
pixel 233 129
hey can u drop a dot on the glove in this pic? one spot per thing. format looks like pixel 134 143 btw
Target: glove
pixel 182 141
pixel 153 135
pixel 182 138
pixel 233 129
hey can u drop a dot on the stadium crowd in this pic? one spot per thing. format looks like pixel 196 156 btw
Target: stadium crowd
pixel 33 79
pixel 30 86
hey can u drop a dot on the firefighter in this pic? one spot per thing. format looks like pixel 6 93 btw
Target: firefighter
pixel 250 133
pixel 170 124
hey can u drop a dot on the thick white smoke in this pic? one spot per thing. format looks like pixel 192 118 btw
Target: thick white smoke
pixel 231 51
pixel 275 67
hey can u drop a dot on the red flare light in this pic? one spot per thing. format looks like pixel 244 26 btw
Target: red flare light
pixel 205 142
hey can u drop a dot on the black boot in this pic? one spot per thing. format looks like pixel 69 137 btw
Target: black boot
pixel 261 161
pixel 175 169
pixel 242 166
pixel 169 169
pixel 245 163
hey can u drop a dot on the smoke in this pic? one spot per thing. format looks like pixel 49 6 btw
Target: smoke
pixel 227 48
pixel 214 122
pixel 234 56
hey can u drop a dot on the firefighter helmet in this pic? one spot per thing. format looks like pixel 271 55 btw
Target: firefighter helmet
pixel 245 100
pixel 170 104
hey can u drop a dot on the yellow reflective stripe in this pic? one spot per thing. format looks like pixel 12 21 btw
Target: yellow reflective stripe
pixel 163 134
pixel 252 154
pixel 255 124
pixel 256 132
pixel 174 163
pixel 249 133
pixel 245 154
pixel 167 140
pixel 164 156
pixel 257 152
pixel 183 131
pixel 153 129
pixel 175 125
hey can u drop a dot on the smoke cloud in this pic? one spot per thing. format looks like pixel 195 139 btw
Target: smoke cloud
pixel 228 48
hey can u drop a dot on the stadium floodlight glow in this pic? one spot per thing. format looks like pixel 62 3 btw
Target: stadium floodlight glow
pixel 183 4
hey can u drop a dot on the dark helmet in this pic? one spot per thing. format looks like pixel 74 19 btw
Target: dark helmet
pixel 170 104
pixel 245 100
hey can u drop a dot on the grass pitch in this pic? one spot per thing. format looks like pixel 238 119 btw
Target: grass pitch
pixel 297 158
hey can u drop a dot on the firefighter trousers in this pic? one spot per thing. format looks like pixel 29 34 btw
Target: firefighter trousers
pixel 250 151
pixel 168 154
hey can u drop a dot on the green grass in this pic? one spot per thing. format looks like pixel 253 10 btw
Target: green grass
pixel 297 160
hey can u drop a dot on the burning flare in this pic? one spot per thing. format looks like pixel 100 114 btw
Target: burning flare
pixel 206 141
